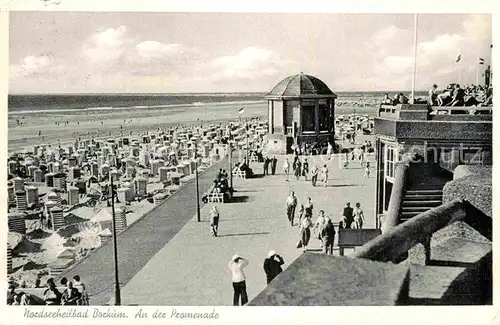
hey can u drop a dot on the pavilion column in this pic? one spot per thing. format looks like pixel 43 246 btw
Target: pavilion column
pixel 299 118
pixel 271 116
pixel 316 114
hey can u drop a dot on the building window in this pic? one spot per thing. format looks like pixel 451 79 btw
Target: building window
pixel 324 115
pixel 290 107
pixel 308 113
pixel 390 161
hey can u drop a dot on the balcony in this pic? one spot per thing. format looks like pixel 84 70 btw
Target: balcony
pixel 438 113
pixel 421 121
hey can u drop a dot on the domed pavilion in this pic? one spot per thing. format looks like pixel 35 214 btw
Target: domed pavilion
pixel 301 111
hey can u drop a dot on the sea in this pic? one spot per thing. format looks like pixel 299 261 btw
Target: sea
pixel 46 104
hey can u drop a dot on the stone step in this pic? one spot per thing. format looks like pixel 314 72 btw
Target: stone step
pixel 424 192
pixel 423 197
pixel 418 209
pixel 404 216
pixel 418 203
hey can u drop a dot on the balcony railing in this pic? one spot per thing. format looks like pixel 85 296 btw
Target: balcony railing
pixel 461 110
pixel 396 241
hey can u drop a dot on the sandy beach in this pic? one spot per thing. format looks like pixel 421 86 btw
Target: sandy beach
pixel 99 123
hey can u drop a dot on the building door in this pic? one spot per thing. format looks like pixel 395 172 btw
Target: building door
pixel 390 158
pixel 289 143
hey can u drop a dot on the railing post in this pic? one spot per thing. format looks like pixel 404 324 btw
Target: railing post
pixel 427 248
pixel 397 194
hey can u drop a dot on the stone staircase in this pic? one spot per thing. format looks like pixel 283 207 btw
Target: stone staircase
pixel 417 201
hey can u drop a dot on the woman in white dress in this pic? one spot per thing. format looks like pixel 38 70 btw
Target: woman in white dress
pixel 359 218
pixel 286 168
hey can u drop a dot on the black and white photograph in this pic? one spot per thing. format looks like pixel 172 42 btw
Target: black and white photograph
pixel 248 159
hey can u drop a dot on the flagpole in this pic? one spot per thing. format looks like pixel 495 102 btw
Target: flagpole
pixel 477 74
pixel 460 72
pixel 414 59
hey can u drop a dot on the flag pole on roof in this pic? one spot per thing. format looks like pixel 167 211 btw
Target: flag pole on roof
pixel 478 70
pixel 458 60
pixel 414 59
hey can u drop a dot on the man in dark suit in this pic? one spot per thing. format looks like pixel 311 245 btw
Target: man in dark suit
pixel 266 166
pixel 348 216
pixel 274 161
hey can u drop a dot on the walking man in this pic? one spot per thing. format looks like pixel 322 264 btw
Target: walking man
pixel 308 208
pixel 314 175
pixel 291 204
pixel 274 161
pixel 214 221
pixel 324 175
pixel 348 216
pixel 238 278
pixel 266 166
pixel 272 265
pixel 305 169
pixel 318 226
pixel 328 236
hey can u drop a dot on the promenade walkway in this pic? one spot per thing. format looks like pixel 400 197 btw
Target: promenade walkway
pixel 140 242
pixel 192 268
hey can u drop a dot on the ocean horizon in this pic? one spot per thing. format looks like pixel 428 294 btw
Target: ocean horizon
pixel 50 103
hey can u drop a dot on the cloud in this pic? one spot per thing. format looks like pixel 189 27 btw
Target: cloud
pixel 106 45
pixel 436 57
pixel 153 50
pixel 251 62
pixel 30 66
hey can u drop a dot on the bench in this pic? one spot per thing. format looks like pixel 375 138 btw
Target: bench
pixel 352 238
pixel 254 158
pixel 239 174
pixel 215 196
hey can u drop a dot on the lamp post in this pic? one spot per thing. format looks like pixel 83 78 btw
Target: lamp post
pixel 230 146
pixel 115 247
pixel 246 134
pixel 198 214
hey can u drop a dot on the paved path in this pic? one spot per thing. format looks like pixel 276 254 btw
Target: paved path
pixel 140 242
pixel 192 268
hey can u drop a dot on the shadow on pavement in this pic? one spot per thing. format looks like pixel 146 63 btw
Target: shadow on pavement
pixel 239 199
pixel 245 234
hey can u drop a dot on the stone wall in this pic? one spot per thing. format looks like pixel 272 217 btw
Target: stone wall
pixel 474 184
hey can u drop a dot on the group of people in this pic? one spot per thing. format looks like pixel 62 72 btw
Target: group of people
pixel 272 268
pixel 301 169
pixel 358 154
pixel 221 185
pixel 353 218
pixel 74 293
pixel 454 95
pixel 244 167
pixel 270 163
pixel 396 100
pixel 323 229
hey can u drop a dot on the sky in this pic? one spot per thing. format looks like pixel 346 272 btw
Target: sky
pixel 109 52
